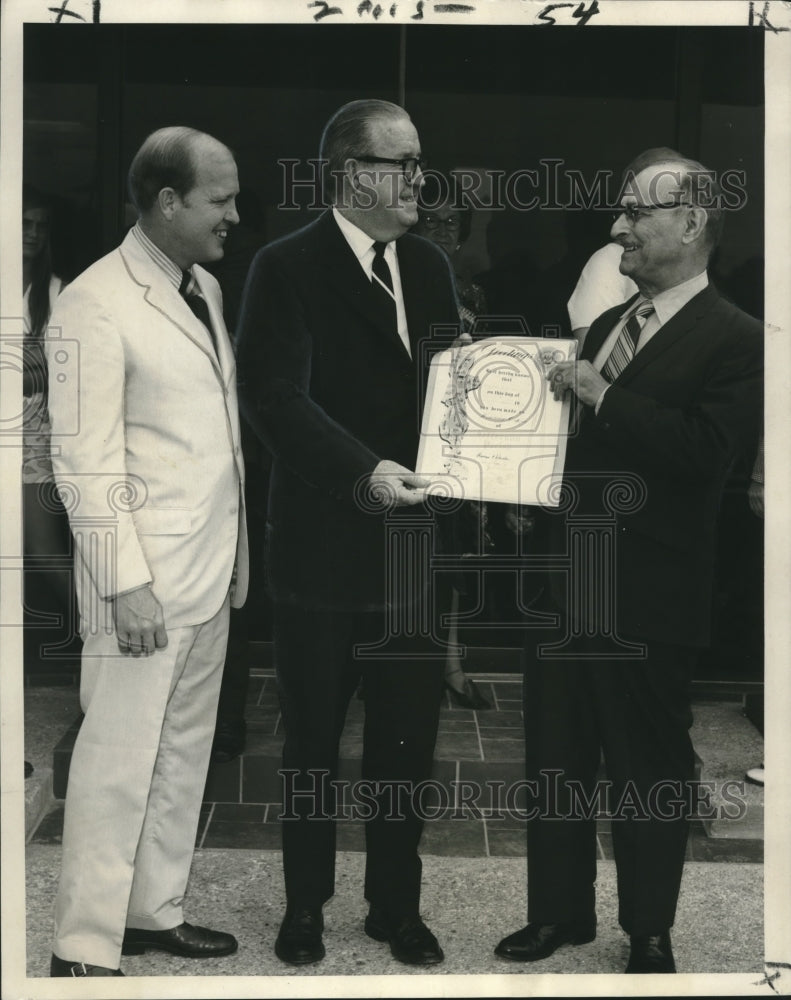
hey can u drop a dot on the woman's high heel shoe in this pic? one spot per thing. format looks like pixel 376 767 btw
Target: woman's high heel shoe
pixel 469 696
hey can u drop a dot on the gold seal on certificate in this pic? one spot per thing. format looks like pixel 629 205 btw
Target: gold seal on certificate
pixel 492 429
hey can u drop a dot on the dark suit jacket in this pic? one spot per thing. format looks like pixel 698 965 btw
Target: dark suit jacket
pixel 331 392
pixel 688 404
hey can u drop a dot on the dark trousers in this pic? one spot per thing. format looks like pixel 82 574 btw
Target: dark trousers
pixel 637 712
pixel 317 673
pixel 236 672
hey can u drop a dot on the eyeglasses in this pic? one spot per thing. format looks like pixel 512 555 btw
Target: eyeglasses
pixel 432 222
pixel 635 212
pixel 409 166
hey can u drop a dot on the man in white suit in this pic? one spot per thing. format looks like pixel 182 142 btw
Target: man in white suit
pixel 147 456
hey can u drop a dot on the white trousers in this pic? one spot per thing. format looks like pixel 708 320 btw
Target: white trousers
pixel 135 788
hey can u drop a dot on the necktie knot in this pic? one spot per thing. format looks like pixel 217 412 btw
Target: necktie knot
pixel 379 248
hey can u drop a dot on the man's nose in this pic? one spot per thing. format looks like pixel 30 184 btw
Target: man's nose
pixel 232 215
pixel 620 226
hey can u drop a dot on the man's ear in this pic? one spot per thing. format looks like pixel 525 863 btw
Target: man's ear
pixel 168 201
pixel 350 173
pixel 696 223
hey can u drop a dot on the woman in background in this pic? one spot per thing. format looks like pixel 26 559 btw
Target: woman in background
pixel 41 287
pixel 45 528
pixel 445 219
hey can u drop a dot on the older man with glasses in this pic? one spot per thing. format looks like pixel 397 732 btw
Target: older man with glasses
pixel 334 326
pixel 668 393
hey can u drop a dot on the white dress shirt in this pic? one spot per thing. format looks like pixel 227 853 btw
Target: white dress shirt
pixel 363 249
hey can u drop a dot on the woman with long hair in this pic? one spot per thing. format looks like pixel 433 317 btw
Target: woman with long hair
pixel 45 529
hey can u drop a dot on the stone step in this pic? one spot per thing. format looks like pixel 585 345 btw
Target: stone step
pixel 729 744
pixel 39 799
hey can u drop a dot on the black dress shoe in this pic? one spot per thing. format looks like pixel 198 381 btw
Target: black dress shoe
pixel 651 953
pixel 538 941
pixel 59 968
pixel 230 739
pixel 184 940
pixel 411 942
pixel 299 938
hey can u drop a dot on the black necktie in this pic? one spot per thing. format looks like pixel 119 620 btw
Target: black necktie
pixel 382 285
pixel 196 302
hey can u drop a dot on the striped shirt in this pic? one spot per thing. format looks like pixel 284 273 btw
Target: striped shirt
pixel 161 259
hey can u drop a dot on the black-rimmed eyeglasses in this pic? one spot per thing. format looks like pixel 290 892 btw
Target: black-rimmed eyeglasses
pixel 409 165
pixel 636 211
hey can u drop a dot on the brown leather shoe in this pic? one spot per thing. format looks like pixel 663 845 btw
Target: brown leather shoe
pixel 184 940
pixel 60 968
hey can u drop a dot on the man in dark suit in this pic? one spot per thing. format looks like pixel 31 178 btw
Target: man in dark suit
pixel 668 392
pixel 334 323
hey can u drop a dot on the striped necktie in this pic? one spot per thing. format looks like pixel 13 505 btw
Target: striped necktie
pixel 626 344
pixel 382 285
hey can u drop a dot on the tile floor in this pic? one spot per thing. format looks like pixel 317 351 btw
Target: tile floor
pixel 242 798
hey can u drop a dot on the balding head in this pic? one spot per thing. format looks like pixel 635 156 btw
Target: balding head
pixel 677 178
pixel 663 225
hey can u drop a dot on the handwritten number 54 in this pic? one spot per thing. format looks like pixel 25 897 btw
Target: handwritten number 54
pixel 582 14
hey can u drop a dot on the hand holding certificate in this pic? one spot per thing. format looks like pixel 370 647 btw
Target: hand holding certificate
pixel 492 428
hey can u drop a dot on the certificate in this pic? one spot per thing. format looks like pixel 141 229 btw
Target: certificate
pixel 492 429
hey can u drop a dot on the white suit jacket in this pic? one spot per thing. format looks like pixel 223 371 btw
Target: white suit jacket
pixel 145 440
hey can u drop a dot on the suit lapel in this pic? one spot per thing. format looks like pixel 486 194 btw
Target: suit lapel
pixel 685 320
pixel 601 328
pixel 349 281
pixel 161 295
pixel 224 352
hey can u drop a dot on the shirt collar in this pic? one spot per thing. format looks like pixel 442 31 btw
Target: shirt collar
pixel 161 259
pixel 672 300
pixel 360 242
